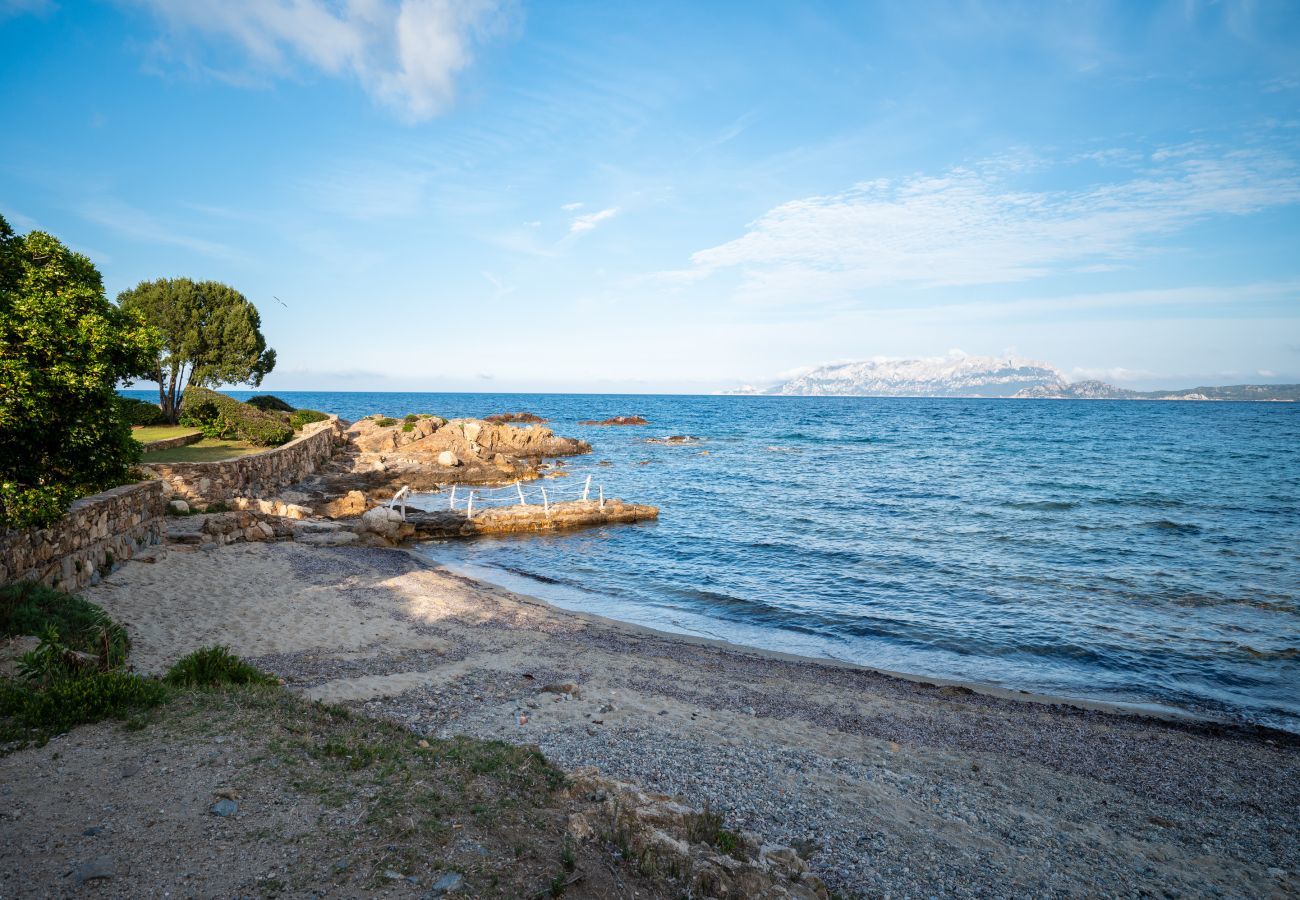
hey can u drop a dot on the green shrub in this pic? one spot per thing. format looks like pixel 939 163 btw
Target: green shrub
pixel 140 412
pixel 409 426
pixel 76 701
pixel 30 608
pixel 212 666
pixel 385 422
pixel 269 403
pixel 306 416
pixel 63 350
pixel 410 418
pixel 225 417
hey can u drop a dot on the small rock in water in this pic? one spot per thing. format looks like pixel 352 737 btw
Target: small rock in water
pixel 98 868
pixel 224 808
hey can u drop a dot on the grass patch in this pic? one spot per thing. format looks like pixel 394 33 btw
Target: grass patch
pixel 145 434
pixel 705 827
pixel 27 608
pixel 305 417
pixel 386 422
pixel 213 666
pixel 206 450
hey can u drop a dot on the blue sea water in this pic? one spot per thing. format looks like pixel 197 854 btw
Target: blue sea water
pixel 1140 552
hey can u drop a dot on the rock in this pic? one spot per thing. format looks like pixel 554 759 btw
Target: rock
pixel 385 522
pixel 351 504
pixel 208 545
pixel 326 539
pixel 92 831
pixel 224 807
pixel 566 687
pixel 447 883
pixel 180 507
pixel 618 420
pixel 295 511
pixel 472 430
pixel 783 859
pixel 448 459
pixel 96 869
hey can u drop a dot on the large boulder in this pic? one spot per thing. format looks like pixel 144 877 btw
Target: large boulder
pixel 385 522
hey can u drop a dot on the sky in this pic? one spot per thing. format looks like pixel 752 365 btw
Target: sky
pixel 485 195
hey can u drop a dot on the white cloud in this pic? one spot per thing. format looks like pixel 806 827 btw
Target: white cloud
pixel 591 220
pixel 136 224
pixel 970 226
pixel 405 53
pixel 572 207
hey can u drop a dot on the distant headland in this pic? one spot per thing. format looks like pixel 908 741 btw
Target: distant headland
pixel 988 376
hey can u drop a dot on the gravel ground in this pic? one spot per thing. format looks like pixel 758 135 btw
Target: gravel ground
pixel 890 787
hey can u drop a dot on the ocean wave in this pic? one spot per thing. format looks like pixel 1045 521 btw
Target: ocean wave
pixel 1050 505
pixel 1173 527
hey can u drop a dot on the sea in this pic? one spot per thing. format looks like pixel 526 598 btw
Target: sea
pixel 1142 553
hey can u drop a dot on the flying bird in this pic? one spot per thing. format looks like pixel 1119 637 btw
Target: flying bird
pixel 281 302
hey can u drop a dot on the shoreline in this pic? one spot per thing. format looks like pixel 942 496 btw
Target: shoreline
pixel 1153 710
pixel 885 783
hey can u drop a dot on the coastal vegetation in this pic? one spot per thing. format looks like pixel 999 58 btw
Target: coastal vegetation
pixel 211 334
pixel 64 348
pixel 206 450
pixel 220 416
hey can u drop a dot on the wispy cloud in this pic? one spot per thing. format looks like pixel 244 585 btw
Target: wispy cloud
pixel 972 226
pixel 127 221
pixel 572 207
pixel 405 53
pixel 591 220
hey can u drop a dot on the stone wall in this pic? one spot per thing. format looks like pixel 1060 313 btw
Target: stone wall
pixel 169 443
pixel 96 533
pixel 254 475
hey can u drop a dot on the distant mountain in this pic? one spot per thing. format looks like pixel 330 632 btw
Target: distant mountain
pixel 1099 390
pixel 949 376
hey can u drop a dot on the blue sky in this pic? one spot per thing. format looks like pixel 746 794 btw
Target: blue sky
pixel 479 195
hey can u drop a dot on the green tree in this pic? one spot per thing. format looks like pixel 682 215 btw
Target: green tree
pixel 211 333
pixel 64 348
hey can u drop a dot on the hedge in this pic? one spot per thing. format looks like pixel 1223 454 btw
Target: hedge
pixel 305 416
pixel 269 403
pixel 225 417
pixel 141 412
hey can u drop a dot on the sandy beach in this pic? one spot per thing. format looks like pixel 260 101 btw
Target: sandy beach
pixel 887 786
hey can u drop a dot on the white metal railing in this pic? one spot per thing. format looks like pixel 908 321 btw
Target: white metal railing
pixel 520 494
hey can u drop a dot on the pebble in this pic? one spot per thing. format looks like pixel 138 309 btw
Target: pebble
pixel 95 869
pixel 223 808
pixel 447 883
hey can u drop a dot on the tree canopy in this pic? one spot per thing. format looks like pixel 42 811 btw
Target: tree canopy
pixel 64 348
pixel 211 334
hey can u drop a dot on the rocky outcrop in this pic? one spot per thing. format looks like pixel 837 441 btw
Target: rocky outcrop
pixel 618 420
pixel 668 839
pixel 531 518
pixel 515 418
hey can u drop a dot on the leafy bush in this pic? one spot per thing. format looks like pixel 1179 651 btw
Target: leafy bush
pixel 306 416
pixel 76 701
pixel 410 418
pixel 269 403
pixel 30 608
pixel 408 426
pixel 385 422
pixel 140 412
pixel 63 350
pixel 212 666
pixel 225 417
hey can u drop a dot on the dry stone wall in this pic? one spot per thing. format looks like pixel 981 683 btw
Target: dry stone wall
pixel 97 533
pixel 254 475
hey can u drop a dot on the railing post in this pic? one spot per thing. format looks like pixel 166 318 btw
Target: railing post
pixel 586 488
pixel 451 504
pixel 469 508
pixel 602 497
pixel 546 504
pixel 520 488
